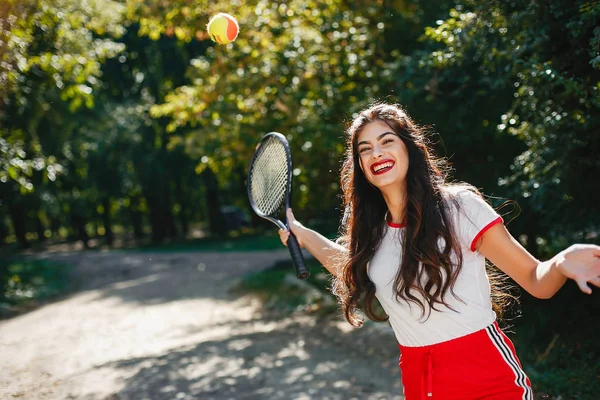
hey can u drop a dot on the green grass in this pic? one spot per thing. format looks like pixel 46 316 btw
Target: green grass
pixel 25 283
pixel 280 290
pixel 255 240
pixel 241 243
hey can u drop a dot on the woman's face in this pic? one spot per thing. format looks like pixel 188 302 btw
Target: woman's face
pixel 383 156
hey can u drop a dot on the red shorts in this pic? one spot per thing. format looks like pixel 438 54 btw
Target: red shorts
pixel 482 365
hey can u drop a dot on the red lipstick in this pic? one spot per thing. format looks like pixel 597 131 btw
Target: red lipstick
pixel 383 166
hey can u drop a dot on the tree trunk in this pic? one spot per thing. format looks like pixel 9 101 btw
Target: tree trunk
pixel 136 218
pixel 172 231
pixel 106 221
pixel 159 229
pixel 55 226
pixel 40 228
pixel 17 217
pixel 183 210
pixel 159 202
pixel 184 221
pixel 213 206
pixel 161 218
pixel 3 228
pixel 79 226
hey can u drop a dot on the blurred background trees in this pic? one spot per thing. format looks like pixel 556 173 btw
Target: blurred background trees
pixel 121 123
pixel 123 120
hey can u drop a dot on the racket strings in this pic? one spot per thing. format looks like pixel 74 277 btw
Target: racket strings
pixel 269 177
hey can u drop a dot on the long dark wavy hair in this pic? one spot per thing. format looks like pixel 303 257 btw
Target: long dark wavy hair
pixel 427 271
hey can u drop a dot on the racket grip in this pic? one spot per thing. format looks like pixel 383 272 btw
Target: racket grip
pixel 297 257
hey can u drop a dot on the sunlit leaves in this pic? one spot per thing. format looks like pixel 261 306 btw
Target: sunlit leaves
pixel 452 33
pixel 17 165
pixel 293 68
pixel 58 37
pixel 545 53
pixel 182 19
pixel 53 52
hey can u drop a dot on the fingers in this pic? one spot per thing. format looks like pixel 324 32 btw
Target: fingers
pixel 291 220
pixel 290 216
pixel 582 283
pixel 595 281
pixel 295 227
pixel 284 236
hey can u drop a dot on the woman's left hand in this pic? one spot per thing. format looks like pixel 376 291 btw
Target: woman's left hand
pixel 581 262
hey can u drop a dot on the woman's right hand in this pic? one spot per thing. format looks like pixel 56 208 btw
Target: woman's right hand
pixel 296 228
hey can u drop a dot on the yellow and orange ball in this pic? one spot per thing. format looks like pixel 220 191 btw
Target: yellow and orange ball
pixel 223 28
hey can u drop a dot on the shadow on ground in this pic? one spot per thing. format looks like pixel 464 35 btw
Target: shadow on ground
pixel 166 326
pixel 291 359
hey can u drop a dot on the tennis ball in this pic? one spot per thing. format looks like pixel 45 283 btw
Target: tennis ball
pixel 223 28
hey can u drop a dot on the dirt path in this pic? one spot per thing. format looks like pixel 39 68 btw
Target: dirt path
pixel 164 326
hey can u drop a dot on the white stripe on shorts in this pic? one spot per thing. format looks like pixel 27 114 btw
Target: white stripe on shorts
pixel 511 361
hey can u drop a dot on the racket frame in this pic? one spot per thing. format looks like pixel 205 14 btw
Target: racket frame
pixel 293 245
pixel 288 188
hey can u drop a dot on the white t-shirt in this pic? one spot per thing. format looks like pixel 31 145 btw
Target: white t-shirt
pixel 472 286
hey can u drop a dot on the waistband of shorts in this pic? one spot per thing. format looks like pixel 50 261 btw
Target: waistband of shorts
pixel 452 344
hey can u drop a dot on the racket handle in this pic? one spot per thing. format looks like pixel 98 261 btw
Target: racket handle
pixel 297 257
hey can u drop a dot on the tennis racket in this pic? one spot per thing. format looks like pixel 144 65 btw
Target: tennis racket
pixel 270 187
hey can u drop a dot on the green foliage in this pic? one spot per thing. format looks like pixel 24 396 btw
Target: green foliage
pixel 488 75
pixel 124 113
pixel 555 343
pixel 534 65
pixel 17 167
pixel 280 290
pixel 300 68
pixel 52 55
pixel 243 243
pixel 25 282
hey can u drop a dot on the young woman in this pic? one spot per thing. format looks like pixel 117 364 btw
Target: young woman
pixel 418 244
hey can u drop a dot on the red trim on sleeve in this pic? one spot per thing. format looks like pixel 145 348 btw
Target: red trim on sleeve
pixel 483 231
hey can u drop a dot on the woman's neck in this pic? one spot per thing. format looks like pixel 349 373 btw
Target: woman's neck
pixel 396 204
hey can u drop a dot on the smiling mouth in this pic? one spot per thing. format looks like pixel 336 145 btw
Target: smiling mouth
pixel 382 167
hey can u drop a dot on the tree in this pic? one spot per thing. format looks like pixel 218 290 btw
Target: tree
pixel 51 65
pixel 297 68
pixel 528 71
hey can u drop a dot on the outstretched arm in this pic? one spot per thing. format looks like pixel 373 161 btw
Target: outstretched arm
pixel 580 262
pixel 323 249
